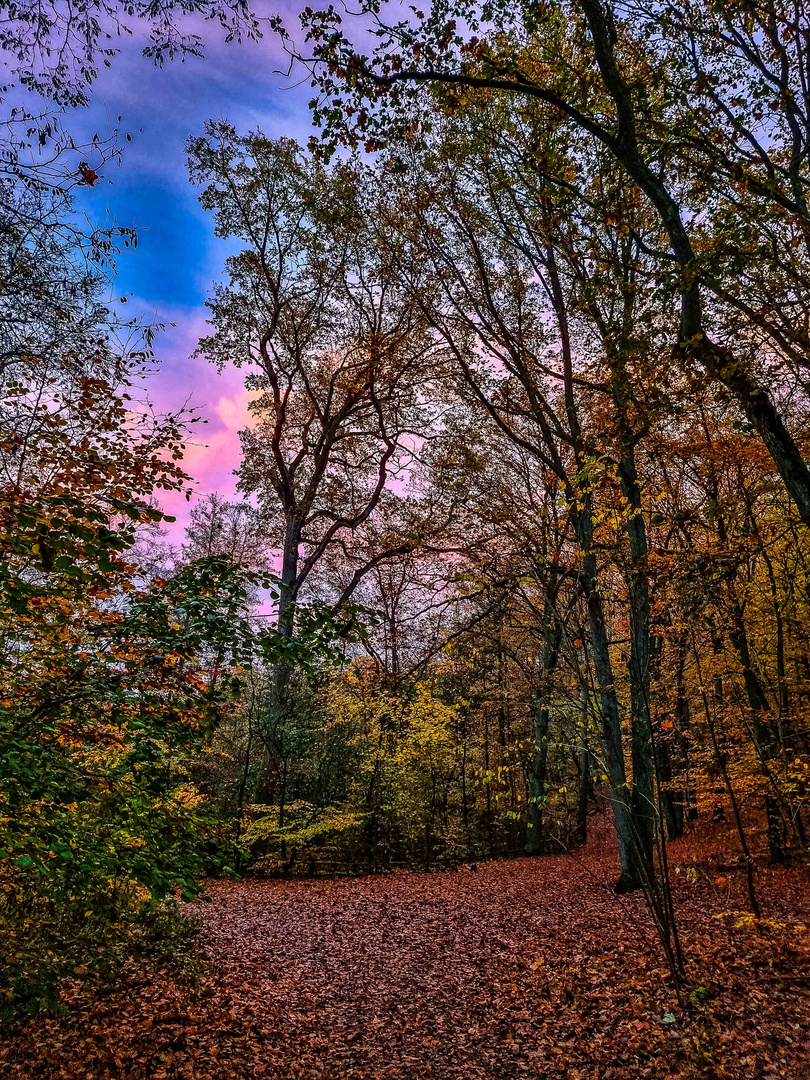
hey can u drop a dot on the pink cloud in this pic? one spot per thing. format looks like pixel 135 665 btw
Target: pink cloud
pixel 218 399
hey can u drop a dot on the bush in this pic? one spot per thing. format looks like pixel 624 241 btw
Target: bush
pixel 311 837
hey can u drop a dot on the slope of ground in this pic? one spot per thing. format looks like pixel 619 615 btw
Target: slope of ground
pixel 529 968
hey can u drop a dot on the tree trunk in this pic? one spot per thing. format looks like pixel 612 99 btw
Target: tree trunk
pixel 764 738
pixel 672 757
pixel 584 793
pixel 537 777
pixel 643 800
pixel 643 790
pixel 286 607
pixel 552 637
pixel 281 672
pixel 731 371
pixel 629 878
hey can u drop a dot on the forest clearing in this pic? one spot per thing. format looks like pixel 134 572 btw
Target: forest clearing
pixel 524 968
pixel 405 540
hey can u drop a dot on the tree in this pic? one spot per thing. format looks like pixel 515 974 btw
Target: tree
pixel 619 91
pixel 219 527
pixel 337 352
pixel 101 693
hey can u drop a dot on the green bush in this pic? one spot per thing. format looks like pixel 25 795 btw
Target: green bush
pixel 309 836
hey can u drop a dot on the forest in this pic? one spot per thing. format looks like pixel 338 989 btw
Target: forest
pixel 467 734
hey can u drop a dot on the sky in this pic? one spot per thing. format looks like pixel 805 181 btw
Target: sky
pixel 169 274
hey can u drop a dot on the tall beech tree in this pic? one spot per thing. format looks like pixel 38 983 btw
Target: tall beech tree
pixel 338 354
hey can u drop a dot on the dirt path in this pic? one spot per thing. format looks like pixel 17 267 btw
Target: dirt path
pixel 528 968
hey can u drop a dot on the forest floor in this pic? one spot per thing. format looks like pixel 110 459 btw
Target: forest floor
pixel 524 968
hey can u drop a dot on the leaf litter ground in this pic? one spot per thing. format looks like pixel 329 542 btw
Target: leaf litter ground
pixel 525 968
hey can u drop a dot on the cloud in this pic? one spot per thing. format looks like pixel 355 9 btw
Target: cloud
pixel 170 272
pixel 218 399
pixel 233 410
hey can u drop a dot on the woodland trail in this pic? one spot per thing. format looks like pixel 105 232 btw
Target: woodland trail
pixel 525 968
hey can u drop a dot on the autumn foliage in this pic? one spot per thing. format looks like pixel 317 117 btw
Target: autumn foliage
pixel 509 617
